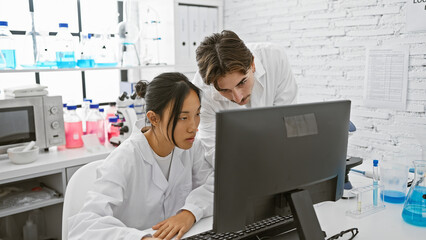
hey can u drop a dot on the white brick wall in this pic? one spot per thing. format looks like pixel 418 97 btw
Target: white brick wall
pixel 326 42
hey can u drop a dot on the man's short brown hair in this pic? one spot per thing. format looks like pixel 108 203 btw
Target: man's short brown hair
pixel 220 54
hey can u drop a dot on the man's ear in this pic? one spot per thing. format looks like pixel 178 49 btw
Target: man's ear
pixel 153 118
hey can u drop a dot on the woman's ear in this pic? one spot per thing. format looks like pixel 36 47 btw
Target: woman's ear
pixel 153 118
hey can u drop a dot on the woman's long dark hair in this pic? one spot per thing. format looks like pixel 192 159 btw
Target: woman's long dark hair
pixel 168 87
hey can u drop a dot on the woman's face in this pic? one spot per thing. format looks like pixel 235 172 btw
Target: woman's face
pixel 187 123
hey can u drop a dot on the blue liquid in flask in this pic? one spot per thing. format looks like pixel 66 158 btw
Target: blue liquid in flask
pixel 415 208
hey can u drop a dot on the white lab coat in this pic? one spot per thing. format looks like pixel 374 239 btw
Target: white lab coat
pixel 131 193
pixel 274 85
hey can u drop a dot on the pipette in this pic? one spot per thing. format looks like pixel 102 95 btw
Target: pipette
pixel 369 174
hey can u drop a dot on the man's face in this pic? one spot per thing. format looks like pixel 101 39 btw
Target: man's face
pixel 236 86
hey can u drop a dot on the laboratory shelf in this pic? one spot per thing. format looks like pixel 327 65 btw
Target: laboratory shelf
pixel 32 206
pixel 23 70
pixel 142 67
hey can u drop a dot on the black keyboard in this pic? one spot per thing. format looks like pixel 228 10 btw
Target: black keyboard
pixel 281 223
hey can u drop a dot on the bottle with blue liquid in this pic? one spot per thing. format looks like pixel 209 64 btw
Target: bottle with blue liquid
pixel 414 211
pixel 65 51
pixel 86 59
pixel 7 50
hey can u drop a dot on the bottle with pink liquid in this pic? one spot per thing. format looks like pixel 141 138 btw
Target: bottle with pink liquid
pixel 73 128
pixel 113 130
pixel 95 123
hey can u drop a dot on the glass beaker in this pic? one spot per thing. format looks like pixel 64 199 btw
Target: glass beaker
pixel 393 176
pixel 415 206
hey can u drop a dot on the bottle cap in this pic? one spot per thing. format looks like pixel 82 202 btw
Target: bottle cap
pixel 3 23
pixel 71 107
pixel 94 105
pixel 113 119
pixel 375 163
pixel 63 25
pixel 101 110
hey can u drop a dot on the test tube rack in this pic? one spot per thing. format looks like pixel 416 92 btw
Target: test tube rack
pixel 368 201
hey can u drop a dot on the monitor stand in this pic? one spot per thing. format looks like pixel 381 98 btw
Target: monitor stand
pixel 304 216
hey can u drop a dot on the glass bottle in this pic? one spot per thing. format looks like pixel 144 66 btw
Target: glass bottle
pixel 95 123
pixel 73 128
pixel 7 47
pixel 414 211
pixel 65 51
pixel 113 129
pixel 105 56
pixel 86 53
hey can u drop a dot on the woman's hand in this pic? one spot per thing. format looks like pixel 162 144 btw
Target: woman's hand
pixel 178 224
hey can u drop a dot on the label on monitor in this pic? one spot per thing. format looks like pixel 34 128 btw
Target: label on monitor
pixel 301 125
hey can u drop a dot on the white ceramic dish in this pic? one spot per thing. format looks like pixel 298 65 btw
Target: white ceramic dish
pixel 16 155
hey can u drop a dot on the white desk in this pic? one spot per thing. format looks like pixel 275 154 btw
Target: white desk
pixel 49 161
pixel 386 224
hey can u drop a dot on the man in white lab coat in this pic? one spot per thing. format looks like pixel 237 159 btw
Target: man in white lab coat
pixel 234 75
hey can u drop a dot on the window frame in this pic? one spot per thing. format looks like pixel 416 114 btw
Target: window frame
pixel 123 73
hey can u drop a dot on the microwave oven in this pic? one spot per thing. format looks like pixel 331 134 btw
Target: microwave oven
pixel 38 118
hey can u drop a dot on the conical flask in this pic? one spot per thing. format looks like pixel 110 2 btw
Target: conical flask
pixel 414 211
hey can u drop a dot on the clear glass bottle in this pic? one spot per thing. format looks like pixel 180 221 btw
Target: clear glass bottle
pixel 73 128
pixel 414 211
pixel 65 50
pixel 86 59
pixel 7 47
pixel 105 55
pixel 95 123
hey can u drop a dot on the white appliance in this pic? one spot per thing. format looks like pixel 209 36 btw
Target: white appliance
pixel 26 119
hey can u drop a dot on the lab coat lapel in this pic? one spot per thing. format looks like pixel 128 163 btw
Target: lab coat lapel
pixel 258 92
pixel 158 178
pixel 157 175
pixel 176 170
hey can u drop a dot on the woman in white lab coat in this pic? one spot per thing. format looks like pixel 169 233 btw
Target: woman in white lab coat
pixel 154 179
pixel 234 75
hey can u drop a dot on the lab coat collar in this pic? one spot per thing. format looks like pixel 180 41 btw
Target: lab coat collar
pixel 258 87
pixel 157 175
pixel 148 156
pixel 257 98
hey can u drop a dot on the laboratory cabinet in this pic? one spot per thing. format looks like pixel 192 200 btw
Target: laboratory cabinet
pixel 182 25
pixel 40 185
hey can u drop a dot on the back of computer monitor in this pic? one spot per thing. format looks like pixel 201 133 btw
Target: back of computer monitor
pixel 267 151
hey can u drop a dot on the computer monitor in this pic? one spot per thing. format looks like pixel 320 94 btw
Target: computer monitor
pixel 270 161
